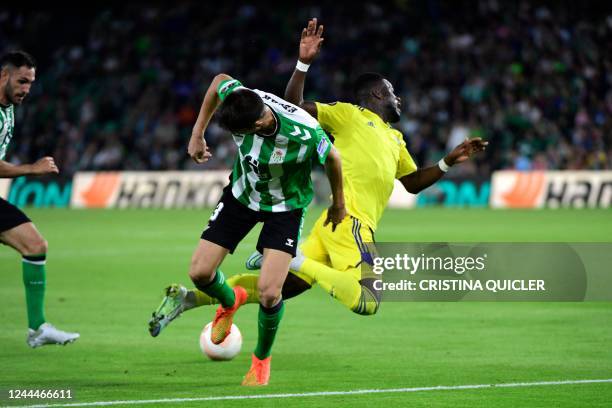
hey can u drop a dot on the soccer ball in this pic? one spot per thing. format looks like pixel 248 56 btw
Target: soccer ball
pixel 226 350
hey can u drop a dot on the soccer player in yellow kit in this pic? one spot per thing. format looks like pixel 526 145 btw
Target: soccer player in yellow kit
pixel 373 155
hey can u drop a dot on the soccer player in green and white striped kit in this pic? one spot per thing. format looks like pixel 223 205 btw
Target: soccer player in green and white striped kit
pixel 270 183
pixel 17 73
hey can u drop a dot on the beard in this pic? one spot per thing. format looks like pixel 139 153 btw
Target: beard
pixel 392 113
pixel 10 95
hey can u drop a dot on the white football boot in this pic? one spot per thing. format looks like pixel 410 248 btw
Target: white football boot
pixel 48 334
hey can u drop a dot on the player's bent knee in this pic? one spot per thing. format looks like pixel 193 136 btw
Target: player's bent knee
pixel 200 270
pixel 269 302
pixel 35 246
pixel 269 296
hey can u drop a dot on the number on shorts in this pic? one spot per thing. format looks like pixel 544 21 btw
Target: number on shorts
pixel 215 213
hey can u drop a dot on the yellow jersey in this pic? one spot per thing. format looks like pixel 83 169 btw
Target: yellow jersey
pixel 373 156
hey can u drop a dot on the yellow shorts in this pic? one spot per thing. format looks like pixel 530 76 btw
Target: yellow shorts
pixel 342 249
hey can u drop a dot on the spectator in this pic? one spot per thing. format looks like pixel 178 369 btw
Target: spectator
pixel 535 80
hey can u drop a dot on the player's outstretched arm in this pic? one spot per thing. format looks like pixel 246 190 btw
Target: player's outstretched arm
pixel 310 45
pixel 423 178
pixel 333 169
pixel 45 165
pixel 197 148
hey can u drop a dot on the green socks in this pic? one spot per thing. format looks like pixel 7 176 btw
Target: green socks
pixel 268 319
pixel 34 280
pixel 247 280
pixel 268 322
pixel 218 288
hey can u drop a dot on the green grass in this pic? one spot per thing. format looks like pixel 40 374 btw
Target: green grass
pixel 106 270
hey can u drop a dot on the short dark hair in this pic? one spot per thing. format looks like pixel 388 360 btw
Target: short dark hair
pixel 240 110
pixel 17 59
pixel 363 85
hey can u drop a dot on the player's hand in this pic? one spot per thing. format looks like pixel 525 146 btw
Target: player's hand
pixel 465 150
pixel 335 215
pixel 311 41
pixel 198 150
pixel 45 165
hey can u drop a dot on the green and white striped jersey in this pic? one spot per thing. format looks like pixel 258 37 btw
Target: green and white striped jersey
pixel 7 124
pixel 272 173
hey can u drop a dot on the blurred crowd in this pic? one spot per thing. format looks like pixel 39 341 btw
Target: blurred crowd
pixel 120 88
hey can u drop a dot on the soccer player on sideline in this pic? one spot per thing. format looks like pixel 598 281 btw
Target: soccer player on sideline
pixel 17 74
pixel 270 183
pixel 373 155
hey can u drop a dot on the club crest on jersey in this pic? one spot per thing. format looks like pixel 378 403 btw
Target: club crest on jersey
pixel 277 156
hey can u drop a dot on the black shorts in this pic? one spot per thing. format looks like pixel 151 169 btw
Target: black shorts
pixel 231 221
pixel 11 216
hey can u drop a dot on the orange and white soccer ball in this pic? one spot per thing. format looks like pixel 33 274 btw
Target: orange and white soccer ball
pixel 226 350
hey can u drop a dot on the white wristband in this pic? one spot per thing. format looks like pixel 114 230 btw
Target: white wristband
pixel 443 166
pixel 300 66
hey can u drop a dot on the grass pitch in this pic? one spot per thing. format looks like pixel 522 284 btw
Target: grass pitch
pixel 106 271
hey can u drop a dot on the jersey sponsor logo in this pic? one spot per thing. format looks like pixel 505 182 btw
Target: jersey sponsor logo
pixel 322 147
pixel 257 168
pixel 252 162
pixel 303 134
pixel 371 124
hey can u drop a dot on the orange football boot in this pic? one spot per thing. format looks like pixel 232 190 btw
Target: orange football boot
pixel 223 319
pixel 259 373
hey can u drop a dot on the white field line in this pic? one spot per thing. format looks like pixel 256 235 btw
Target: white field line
pixel 321 393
